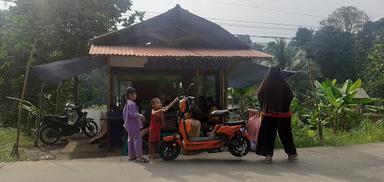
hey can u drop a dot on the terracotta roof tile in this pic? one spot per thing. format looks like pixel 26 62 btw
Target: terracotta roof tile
pixel 173 52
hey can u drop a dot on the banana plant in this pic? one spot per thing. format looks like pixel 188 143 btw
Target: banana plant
pixel 339 103
pixel 28 106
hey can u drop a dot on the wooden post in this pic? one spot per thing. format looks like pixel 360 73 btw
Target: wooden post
pixel 57 98
pixel 76 94
pixel 222 91
pixel 226 84
pixel 197 84
pixel 15 151
pixel 110 85
pixel 38 120
pixel 225 91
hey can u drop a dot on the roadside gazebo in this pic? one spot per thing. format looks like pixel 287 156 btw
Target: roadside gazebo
pixel 164 54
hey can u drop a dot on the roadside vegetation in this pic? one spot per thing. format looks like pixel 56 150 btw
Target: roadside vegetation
pixel 333 64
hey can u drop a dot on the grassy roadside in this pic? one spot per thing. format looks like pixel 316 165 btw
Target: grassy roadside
pixel 368 132
pixel 7 139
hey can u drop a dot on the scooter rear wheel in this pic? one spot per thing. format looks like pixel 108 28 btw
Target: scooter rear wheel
pixel 169 150
pixel 239 146
pixel 49 134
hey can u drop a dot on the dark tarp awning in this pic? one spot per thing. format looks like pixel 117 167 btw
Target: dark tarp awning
pixel 245 74
pixel 61 70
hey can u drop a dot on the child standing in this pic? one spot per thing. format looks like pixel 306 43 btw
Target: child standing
pixel 132 124
pixel 157 117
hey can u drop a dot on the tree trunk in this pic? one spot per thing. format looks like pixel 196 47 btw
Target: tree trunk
pixel 15 151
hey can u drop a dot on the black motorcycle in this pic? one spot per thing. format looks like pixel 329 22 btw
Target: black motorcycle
pixel 52 128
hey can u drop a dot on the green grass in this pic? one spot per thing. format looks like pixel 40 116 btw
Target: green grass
pixel 368 132
pixel 7 139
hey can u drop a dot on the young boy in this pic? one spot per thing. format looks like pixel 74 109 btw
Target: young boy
pixel 132 124
pixel 157 118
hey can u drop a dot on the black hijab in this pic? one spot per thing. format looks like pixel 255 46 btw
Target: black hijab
pixel 274 94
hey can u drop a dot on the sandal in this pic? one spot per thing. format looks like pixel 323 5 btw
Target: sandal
pixel 132 159
pixel 268 160
pixel 156 157
pixel 142 160
pixel 292 157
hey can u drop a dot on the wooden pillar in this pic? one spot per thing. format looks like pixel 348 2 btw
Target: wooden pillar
pixel 197 84
pixel 110 85
pixel 225 79
pixel 222 90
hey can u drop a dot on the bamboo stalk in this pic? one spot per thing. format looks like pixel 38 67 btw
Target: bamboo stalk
pixel 15 150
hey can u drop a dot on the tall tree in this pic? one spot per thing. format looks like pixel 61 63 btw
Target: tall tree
pixel 335 47
pixel 303 36
pixel 335 52
pixel 347 18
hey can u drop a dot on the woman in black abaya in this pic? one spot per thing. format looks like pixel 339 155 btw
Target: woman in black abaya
pixel 275 98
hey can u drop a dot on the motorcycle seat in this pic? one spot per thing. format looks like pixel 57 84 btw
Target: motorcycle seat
pixel 57 118
pixel 201 139
pixel 233 123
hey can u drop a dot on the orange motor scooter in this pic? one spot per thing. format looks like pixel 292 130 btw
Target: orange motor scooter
pixel 231 134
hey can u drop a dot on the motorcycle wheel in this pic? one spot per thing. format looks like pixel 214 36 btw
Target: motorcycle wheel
pixel 90 129
pixel 239 146
pixel 49 134
pixel 169 150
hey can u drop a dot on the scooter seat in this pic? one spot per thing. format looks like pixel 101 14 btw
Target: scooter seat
pixel 201 139
pixel 220 112
pixel 233 123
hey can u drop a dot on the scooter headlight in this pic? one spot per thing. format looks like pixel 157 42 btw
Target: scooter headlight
pixel 242 129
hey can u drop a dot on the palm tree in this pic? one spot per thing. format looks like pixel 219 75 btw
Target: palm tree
pixel 282 51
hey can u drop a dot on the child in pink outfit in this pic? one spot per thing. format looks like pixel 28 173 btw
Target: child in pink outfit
pixel 253 127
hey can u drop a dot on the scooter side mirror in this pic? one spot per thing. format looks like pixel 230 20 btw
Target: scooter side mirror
pixel 189 88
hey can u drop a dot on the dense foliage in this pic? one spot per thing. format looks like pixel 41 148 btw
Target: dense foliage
pixel 58 30
pixel 347 46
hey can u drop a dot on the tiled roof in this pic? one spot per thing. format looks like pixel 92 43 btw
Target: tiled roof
pixel 173 52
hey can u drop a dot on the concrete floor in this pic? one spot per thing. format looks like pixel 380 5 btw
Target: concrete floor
pixel 351 163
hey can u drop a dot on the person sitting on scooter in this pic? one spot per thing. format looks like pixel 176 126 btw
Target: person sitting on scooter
pixel 193 125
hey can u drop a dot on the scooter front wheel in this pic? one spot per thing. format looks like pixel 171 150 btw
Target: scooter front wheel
pixel 169 150
pixel 239 145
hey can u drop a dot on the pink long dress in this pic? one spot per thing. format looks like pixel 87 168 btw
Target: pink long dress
pixel 253 127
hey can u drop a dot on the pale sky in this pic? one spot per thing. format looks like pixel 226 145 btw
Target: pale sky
pixel 257 15
pixel 260 17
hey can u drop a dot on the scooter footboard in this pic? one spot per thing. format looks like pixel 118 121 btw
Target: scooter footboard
pixel 169 138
